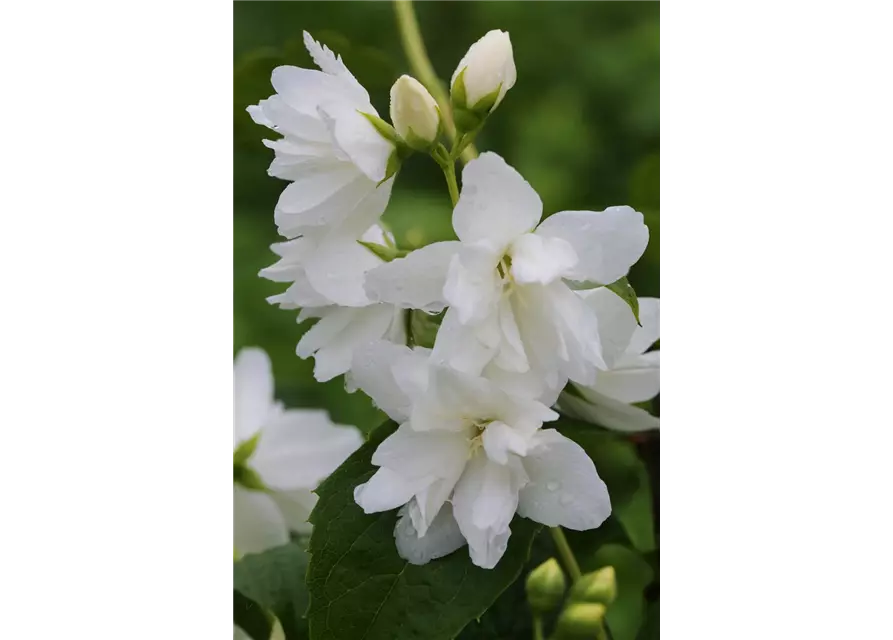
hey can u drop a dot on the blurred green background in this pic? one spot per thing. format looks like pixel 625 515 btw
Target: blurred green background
pixel 581 125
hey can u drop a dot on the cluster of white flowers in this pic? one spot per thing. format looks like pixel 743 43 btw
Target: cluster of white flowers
pixel 528 314
pixel 279 456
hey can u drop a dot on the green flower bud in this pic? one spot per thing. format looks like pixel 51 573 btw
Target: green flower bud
pixel 583 621
pixel 599 587
pixel 545 587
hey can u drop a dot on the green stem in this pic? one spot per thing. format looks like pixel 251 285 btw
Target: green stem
pixel 538 628
pixel 449 172
pixel 567 556
pixel 414 46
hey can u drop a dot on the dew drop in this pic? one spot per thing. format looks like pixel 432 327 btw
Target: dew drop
pixel 552 485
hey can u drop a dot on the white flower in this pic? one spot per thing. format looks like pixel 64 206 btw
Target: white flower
pixel 635 376
pixel 489 67
pixel 511 312
pixel 414 113
pixel 333 156
pixel 340 328
pixel 282 454
pixel 467 457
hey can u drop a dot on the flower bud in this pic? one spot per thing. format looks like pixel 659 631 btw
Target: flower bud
pixel 581 620
pixel 545 587
pixel 599 586
pixel 482 79
pixel 414 113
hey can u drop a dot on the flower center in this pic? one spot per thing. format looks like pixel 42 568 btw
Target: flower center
pixel 476 434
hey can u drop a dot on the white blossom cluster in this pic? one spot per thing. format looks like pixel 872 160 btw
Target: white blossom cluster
pixel 529 322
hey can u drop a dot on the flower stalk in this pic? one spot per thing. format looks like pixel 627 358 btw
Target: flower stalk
pixel 414 46
pixel 567 555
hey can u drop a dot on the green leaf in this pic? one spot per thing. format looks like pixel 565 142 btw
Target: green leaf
pixel 384 129
pixel 360 587
pixel 615 459
pixel 274 580
pixel 250 617
pixel 625 290
pixel 424 327
pixel 651 629
pixel 627 613
pixel 457 91
pixel 385 253
pixel 626 476
pixel 637 515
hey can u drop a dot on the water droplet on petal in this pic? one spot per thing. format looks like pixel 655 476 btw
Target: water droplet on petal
pixel 552 485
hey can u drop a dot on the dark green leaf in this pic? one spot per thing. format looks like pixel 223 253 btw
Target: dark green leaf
pixel 250 617
pixel 625 290
pixel 360 587
pixel 274 580
pixel 627 613
pixel 615 458
pixel 651 629
pixel 637 515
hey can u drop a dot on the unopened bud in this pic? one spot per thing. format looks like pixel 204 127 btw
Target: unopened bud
pixel 581 621
pixel 483 77
pixel 414 113
pixel 599 586
pixel 545 587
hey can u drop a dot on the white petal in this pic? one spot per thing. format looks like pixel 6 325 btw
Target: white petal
pixel 540 259
pixel 607 412
pixel 472 285
pixel 298 126
pixel 258 524
pixel 295 156
pixel 411 372
pixel 296 507
pixel 577 328
pixel 441 539
pixel 637 380
pixel 326 60
pixel 367 149
pixel 484 502
pixel 564 488
pixel 386 490
pixel 336 345
pixel 252 392
pixel 454 397
pixel 607 243
pixel 458 345
pixel 496 204
pixel 416 281
pixel 338 267
pixel 301 447
pixel 429 501
pixel 304 90
pixel 649 332
pixel 414 454
pixel 542 343
pixel 500 439
pixel 321 198
pixel 511 355
pixel 372 370
pixel 615 321
pixel 529 384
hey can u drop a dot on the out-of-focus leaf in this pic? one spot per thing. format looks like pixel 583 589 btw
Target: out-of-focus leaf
pixel 251 617
pixel 274 580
